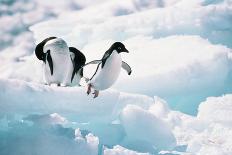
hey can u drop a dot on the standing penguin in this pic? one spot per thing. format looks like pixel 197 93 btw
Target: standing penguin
pixel 58 65
pixel 108 69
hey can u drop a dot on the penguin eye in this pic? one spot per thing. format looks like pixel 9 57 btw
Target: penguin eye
pixel 119 48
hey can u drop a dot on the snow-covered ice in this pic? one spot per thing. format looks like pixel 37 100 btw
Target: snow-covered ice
pixel 180 54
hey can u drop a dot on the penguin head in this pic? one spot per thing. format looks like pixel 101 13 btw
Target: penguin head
pixel 57 46
pixel 119 47
pixel 39 52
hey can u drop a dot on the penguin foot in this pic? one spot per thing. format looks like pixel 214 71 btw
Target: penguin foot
pixel 89 89
pixel 96 93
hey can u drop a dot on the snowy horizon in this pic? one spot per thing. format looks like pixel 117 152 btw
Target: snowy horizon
pixel 176 101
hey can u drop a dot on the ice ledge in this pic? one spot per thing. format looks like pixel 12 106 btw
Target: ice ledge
pixel 25 98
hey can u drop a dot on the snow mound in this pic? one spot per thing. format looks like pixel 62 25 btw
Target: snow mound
pixel 209 132
pixel 215 138
pixel 216 109
pixel 209 21
pixel 113 113
pixel 119 150
pixel 145 131
pixel 31 137
pixel 136 124
pixel 38 98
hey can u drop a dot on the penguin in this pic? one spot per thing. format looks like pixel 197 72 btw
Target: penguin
pixel 108 69
pixel 59 67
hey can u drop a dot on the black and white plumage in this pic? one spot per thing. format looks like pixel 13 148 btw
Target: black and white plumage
pixel 44 56
pixel 108 68
pixel 78 59
pixel 61 63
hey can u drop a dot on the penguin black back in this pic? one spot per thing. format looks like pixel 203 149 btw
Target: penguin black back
pixel 39 49
pixel 78 62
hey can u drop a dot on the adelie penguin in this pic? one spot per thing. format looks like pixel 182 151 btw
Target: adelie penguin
pixel 62 64
pixel 108 69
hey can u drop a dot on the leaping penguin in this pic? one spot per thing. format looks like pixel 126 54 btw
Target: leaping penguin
pixel 108 69
pixel 59 67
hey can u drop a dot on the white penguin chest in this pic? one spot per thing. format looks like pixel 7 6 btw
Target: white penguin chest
pixel 107 75
pixel 61 65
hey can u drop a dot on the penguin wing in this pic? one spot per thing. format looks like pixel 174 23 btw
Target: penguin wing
pixel 105 57
pixel 39 49
pixel 92 62
pixel 126 67
pixel 50 63
pixel 78 61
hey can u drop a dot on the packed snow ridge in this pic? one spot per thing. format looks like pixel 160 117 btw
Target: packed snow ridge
pixel 132 121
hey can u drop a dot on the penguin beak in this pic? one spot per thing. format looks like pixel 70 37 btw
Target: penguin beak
pixel 125 50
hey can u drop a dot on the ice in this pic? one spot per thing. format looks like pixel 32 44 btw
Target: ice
pixel 46 119
pixel 207 133
pixel 215 112
pixel 160 109
pixel 197 19
pixel 180 52
pixel 32 136
pixel 135 122
pixel 216 109
pixel 46 99
pixel 174 69
pixel 145 131
pixel 97 115
pixel 119 150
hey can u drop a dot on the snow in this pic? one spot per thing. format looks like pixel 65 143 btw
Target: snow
pixel 119 150
pixel 180 54
pixel 41 100
pixel 216 109
pixel 144 131
pixel 136 123
pixel 210 131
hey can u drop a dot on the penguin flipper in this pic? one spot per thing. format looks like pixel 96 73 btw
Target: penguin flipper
pixel 78 62
pixel 92 62
pixel 126 67
pixel 72 76
pixel 50 63
pixel 77 69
